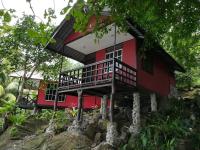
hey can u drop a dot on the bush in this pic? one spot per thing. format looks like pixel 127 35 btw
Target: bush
pixel 45 114
pixel 14 132
pixel 19 118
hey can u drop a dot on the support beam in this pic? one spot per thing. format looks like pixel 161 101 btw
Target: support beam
pixel 104 107
pixel 153 102
pixel 135 127
pixel 80 105
pixel 112 97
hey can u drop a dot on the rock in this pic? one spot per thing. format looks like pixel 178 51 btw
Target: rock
pixel 98 138
pixel 75 128
pixel 90 130
pixel 34 143
pixel 124 135
pixel 102 125
pixel 69 141
pixel 51 128
pixel 104 146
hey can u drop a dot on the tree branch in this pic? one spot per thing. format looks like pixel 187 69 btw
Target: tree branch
pixel 3 4
pixel 30 5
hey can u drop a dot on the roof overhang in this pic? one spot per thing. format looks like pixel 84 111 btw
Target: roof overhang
pixel 34 76
pixel 89 43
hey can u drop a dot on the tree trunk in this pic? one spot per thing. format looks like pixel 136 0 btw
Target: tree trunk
pixel 21 90
pixel 5 123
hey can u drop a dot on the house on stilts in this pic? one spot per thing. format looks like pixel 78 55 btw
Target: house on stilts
pixel 113 67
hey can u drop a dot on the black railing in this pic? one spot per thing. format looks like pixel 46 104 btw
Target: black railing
pixel 99 73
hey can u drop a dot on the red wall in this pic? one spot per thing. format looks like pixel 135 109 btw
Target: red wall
pixel 159 81
pixel 129 53
pixel 70 101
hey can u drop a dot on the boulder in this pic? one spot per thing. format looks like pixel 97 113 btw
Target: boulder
pixel 98 138
pixel 104 146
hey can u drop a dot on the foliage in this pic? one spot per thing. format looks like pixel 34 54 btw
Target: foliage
pixel 14 131
pixel 45 114
pixel 19 117
pixel 72 112
pixel 161 133
pixel 166 129
pixel 7 99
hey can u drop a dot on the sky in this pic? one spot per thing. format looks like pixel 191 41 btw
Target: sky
pixel 39 7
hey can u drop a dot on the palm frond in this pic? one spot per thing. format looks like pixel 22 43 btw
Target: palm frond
pixel 3 78
pixel 2 91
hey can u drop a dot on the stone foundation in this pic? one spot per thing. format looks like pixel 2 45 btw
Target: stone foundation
pixel 51 128
pixel 111 135
pixel 75 128
pixel 135 127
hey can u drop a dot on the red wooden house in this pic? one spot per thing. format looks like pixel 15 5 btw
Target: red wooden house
pixel 112 65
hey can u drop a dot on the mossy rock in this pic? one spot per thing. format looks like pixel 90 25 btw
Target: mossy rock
pixel 68 141
pixel 102 125
pixel 36 143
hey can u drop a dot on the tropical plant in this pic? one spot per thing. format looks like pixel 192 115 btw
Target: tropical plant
pixel 73 112
pixel 7 99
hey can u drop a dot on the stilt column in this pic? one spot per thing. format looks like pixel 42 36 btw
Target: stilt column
pixel 104 107
pixel 112 97
pixel 80 106
pixel 135 127
pixel 153 102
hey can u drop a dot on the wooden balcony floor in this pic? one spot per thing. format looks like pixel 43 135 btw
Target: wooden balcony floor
pixel 100 90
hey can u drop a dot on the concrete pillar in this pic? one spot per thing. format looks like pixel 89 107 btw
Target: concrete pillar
pixel 104 106
pixel 153 102
pixel 135 127
pixel 51 128
pixel 111 134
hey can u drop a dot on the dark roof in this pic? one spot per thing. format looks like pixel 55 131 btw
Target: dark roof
pixel 66 28
pixel 59 35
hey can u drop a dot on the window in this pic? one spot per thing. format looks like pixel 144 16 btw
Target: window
pixel 113 54
pixel 116 53
pixel 148 63
pixel 50 94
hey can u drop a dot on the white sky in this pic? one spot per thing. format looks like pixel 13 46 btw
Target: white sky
pixel 39 7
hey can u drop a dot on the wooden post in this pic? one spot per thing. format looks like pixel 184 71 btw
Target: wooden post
pixel 153 102
pixel 80 105
pixel 104 107
pixel 112 97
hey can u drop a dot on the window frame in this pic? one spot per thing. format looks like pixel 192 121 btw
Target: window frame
pixel 114 55
pixel 50 91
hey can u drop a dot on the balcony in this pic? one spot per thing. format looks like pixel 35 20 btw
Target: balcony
pixel 98 78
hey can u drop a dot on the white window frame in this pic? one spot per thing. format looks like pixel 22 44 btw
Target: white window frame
pixel 51 91
pixel 119 57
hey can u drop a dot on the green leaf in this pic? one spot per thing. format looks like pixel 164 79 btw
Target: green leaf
pixel 7 17
pixel 1 12
pixel 2 91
